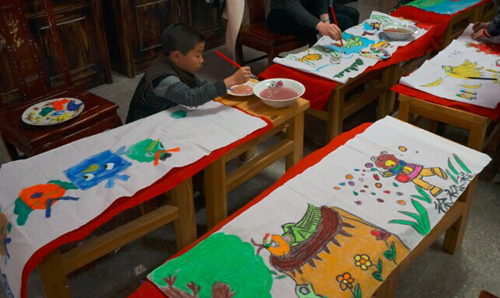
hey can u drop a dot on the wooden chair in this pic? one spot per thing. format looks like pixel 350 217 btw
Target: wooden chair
pixel 26 61
pixel 258 37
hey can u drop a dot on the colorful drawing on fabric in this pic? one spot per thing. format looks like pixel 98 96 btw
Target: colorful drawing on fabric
pixel 149 150
pixel 323 244
pixel 6 287
pixel 443 6
pixel 105 166
pixel 41 197
pixel 179 114
pixel 334 55
pixel 352 44
pixel 466 71
pixel 354 67
pixel 490 48
pixel 377 51
pixel 230 267
pixel 5 228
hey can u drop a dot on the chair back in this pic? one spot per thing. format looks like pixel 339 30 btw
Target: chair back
pixel 23 55
pixel 257 11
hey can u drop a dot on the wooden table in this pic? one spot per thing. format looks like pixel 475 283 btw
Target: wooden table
pixel 477 125
pixel 218 183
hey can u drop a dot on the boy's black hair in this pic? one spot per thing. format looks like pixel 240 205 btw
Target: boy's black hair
pixel 180 37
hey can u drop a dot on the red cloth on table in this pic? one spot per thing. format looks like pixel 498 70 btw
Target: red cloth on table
pixel 493 114
pixel 318 89
pixel 168 182
pixel 149 290
pixel 440 21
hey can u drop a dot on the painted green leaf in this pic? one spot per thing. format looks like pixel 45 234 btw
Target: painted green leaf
pixel 379 265
pixel 377 276
pixel 280 276
pixel 418 197
pixel 452 168
pixel 461 163
pixel 273 272
pixel 393 249
pixel 452 177
pixel 424 215
pixel 409 223
pixel 414 216
pixel 424 194
pixel 357 291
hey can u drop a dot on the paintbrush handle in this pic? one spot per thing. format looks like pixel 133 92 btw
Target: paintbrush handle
pixel 228 59
pixel 336 23
pixel 484 79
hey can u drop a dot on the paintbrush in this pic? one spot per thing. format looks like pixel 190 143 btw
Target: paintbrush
pixel 336 23
pixel 235 64
pixel 485 79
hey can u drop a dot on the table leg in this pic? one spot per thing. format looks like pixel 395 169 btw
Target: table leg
pixel 335 113
pixel 455 234
pixel 11 150
pixel 385 101
pixel 53 276
pixel 216 192
pixel 185 225
pixel 477 136
pixel 404 111
pixel 247 155
pixel 389 287
pixel 295 132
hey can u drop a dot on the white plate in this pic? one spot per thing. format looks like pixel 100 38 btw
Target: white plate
pixel 53 111
pixel 230 90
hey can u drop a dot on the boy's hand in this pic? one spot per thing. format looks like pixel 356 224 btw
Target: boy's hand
pixel 330 30
pixel 479 26
pixel 478 34
pixel 241 76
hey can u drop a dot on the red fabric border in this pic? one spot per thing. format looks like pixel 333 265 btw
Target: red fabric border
pixel 493 114
pixel 149 290
pixel 168 182
pixel 318 89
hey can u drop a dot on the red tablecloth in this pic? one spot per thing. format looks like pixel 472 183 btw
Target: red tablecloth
pixel 440 21
pixel 493 114
pixel 168 182
pixel 149 290
pixel 318 89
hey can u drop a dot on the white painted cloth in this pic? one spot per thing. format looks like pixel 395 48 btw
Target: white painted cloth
pixel 197 132
pixel 364 45
pixel 347 179
pixel 465 71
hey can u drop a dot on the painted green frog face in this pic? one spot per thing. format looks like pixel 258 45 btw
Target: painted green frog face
pixel 145 151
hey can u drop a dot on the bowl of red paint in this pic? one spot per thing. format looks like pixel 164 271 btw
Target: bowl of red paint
pixel 279 93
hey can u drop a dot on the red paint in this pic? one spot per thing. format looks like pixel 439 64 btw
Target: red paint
pixel 387 191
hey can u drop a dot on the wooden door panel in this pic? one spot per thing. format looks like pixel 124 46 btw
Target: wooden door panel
pixel 152 18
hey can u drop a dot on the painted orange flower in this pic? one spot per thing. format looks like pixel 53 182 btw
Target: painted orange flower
pixel 362 261
pixel 345 281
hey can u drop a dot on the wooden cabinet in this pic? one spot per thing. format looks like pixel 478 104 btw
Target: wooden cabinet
pixel 134 28
pixel 82 32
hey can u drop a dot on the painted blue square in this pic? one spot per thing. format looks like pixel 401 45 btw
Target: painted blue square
pixel 105 166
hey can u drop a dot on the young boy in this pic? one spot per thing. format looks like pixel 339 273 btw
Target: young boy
pixel 488 29
pixel 171 79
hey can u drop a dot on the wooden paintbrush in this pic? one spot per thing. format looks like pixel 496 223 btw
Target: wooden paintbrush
pixel 336 23
pixel 235 64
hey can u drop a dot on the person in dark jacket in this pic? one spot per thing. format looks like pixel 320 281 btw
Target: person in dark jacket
pixel 171 79
pixel 310 16
pixel 488 29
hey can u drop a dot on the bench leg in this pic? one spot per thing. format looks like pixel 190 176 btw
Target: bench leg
pixel 53 276
pixel 248 154
pixel 404 111
pixel 295 132
pixel 455 234
pixel 185 225
pixel 216 192
pixel 335 113
pixel 389 287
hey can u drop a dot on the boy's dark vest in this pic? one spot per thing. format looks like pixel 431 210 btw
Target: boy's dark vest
pixel 145 102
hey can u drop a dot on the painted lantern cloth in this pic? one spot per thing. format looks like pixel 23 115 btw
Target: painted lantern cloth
pixel 364 45
pixel 466 71
pixel 444 6
pixel 51 194
pixel 336 230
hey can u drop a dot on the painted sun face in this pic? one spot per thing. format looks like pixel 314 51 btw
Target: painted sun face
pixel 145 151
pixel 105 166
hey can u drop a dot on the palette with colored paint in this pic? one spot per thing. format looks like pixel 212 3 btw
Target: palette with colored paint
pixel 242 90
pixel 53 111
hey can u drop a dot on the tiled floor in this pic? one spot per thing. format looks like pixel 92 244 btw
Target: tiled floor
pixel 434 274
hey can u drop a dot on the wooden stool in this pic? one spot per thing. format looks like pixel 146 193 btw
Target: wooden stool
pixel 476 125
pixel 339 108
pixel 258 37
pixel 459 23
pixel 99 114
